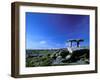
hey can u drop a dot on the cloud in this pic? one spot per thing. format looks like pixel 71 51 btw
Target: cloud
pixel 42 42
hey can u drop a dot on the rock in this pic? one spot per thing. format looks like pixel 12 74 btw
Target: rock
pixel 63 53
pixel 53 56
pixel 68 57
pixel 79 54
pixel 58 60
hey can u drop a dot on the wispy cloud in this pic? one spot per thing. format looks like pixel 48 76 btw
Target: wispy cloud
pixel 43 42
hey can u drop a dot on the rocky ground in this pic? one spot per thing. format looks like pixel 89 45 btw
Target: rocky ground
pixel 66 56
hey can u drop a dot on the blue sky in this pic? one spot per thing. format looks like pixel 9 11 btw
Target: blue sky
pixel 46 30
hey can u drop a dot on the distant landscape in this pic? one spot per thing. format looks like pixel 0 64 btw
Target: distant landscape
pixel 54 39
pixel 57 57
